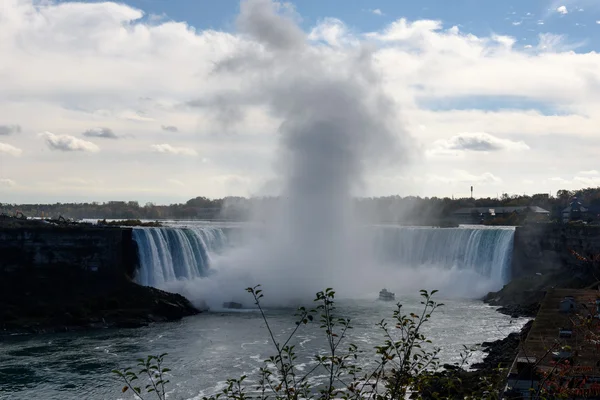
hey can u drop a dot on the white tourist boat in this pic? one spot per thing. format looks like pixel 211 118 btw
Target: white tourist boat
pixel 386 296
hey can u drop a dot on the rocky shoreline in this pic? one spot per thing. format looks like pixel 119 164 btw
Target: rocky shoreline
pixel 522 296
pixel 454 382
pixel 502 352
pixel 46 306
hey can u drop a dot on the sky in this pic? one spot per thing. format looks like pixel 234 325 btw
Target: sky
pixel 124 101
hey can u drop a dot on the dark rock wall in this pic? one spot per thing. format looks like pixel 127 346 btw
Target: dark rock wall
pixel 60 278
pixel 546 248
pixel 103 251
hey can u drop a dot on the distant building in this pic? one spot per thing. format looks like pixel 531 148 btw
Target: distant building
pixel 576 211
pixel 476 215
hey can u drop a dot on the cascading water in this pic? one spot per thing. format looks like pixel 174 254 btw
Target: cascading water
pixel 485 251
pixel 465 261
pixel 168 254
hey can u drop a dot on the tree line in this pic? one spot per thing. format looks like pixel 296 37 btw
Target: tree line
pixel 390 209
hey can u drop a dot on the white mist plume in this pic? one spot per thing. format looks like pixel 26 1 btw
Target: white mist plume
pixel 336 123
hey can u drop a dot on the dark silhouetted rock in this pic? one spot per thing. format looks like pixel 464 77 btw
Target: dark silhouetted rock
pixel 66 299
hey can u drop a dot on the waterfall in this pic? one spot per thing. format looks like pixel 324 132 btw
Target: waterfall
pixel 168 254
pixel 184 253
pixel 485 251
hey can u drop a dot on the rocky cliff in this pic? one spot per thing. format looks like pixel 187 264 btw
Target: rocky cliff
pixel 102 251
pixel 548 256
pixel 545 248
pixel 56 278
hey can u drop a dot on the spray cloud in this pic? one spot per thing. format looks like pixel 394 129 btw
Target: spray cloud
pixel 336 122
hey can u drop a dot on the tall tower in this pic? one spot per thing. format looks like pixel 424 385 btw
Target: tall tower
pixel 471 191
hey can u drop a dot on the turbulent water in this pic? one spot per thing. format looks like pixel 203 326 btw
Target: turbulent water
pixel 207 349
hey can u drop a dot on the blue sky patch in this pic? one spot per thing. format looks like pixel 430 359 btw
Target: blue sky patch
pixel 490 103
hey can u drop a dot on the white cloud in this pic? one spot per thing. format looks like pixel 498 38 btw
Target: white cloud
pixel 168 149
pixel 598 22
pixel 577 182
pixel 5 182
pixel 476 141
pixel 590 172
pixel 560 180
pixel 587 181
pixel 562 10
pixel 9 149
pixel 169 128
pixel 233 184
pixel 75 181
pixel 105 133
pixel 135 116
pixel 333 32
pixel 68 143
pixel 461 176
pixel 403 29
pixel 9 129
pixel 377 11
pixel 549 42
pixel 176 182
